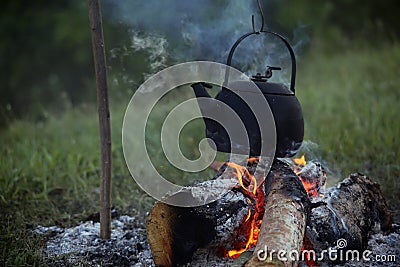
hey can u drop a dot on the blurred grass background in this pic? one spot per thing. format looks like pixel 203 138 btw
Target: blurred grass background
pixel 347 83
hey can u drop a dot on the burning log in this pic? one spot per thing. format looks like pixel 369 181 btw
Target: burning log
pixel 297 218
pixel 175 233
pixel 349 212
pixel 286 212
pixel 344 217
pixel 230 225
pixel 312 175
pixel 226 225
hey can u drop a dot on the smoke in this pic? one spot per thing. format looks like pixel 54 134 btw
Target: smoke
pixel 183 31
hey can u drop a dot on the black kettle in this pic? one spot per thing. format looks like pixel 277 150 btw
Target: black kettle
pixel 285 107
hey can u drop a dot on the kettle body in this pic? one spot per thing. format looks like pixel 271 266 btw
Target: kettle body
pixel 287 113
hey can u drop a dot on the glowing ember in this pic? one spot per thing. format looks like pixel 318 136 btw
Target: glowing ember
pixel 251 225
pixel 307 246
pixel 248 215
pixel 311 175
pixel 313 179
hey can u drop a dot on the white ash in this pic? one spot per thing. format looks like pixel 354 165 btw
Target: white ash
pixel 128 246
pixel 81 245
pixel 202 193
pixel 381 245
pixel 227 221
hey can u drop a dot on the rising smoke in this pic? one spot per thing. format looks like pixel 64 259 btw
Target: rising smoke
pixel 181 31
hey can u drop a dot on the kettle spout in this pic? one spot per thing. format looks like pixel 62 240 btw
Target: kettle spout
pixel 207 108
pixel 199 89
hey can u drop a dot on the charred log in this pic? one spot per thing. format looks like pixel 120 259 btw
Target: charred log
pixel 294 220
pixel 175 233
pixel 223 225
pixel 351 211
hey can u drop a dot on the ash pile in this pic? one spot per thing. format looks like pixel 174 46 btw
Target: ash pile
pixel 82 246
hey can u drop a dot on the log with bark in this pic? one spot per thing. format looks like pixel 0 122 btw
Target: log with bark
pixel 175 233
pixel 287 209
pixel 351 210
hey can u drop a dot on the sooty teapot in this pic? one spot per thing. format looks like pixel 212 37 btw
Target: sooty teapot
pixel 285 107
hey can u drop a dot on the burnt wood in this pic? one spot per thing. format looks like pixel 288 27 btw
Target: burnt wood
pixel 352 210
pixel 175 233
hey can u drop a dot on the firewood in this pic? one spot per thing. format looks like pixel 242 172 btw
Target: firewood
pixel 351 211
pixel 159 233
pixel 223 226
pixel 175 233
pixel 286 212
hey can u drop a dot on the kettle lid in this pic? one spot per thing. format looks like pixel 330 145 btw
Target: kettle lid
pixel 266 88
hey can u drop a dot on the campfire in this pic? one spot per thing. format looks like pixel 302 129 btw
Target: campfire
pixel 312 180
pixel 290 211
pixel 284 218
pixel 255 194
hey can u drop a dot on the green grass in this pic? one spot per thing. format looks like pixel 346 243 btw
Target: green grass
pixel 351 104
pixel 49 171
pixel 49 174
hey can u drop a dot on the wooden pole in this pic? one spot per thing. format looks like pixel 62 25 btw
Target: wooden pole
pixel 104 116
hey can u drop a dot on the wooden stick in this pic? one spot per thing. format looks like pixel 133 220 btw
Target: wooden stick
pixel 104 116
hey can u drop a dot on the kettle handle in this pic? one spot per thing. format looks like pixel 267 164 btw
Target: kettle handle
pixel 292 56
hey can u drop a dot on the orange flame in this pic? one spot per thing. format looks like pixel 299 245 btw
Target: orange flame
pixel 242 171
pixel 300 161
pixel 310 186
pixel 249 184
pixel 251 241
pixel 248 215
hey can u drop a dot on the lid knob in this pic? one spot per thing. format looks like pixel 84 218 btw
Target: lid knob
pixel 268 74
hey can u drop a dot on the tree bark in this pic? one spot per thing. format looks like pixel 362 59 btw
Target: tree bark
pixel 104 116
pixel 349 212
pixel 175 233
pixel 287 209
pixel 300 225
